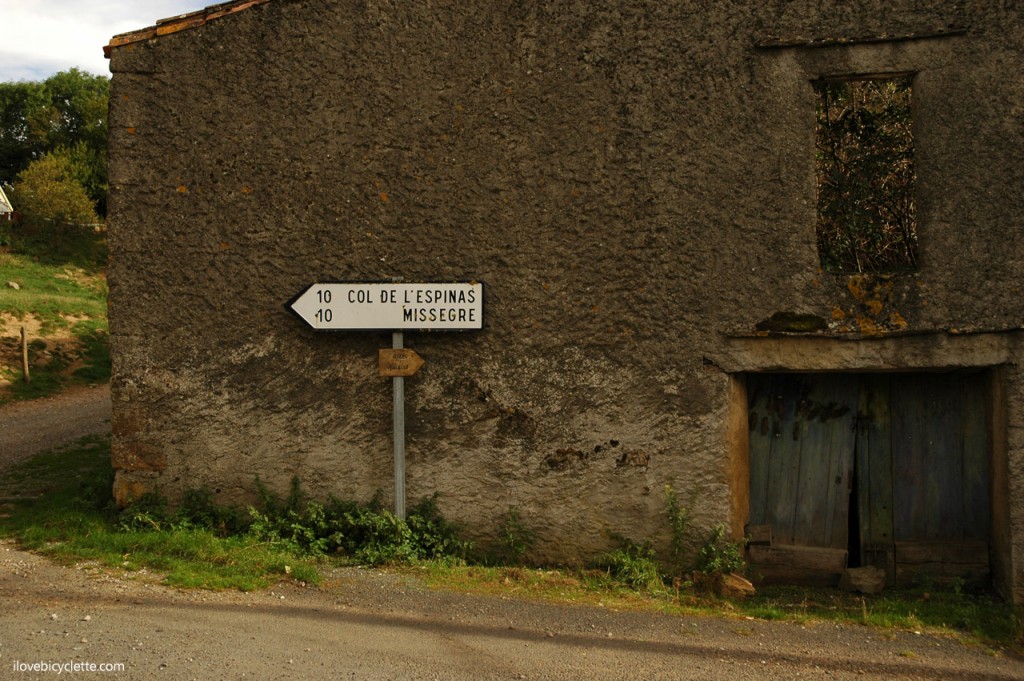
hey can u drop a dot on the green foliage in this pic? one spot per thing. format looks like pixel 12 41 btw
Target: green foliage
pixel 433 536
pixel 23 126
pixel 47 193
pixel 288 533
pixel 52 295
pixel 94 352
pixel 53 376
pixel 719 556
pixel 58 223
pixel 365 533
pixel 865 174
pixel 65 511
pixel 67 110
pixel 678 520
pixel 516 538
pixel 196 511
pixel 148 512
pixel 60 491
pixel 978 614
pixel 633 565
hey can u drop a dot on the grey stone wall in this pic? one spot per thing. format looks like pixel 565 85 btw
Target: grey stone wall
pixel 634 183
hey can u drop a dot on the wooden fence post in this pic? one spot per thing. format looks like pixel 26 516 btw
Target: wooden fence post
pixel 24 355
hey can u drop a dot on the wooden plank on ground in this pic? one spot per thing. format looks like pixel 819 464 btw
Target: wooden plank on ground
pixel 805 557
pixel 796 565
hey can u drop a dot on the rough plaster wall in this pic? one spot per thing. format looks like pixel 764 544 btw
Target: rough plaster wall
pixel 633 183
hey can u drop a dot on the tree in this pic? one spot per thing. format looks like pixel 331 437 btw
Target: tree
pixel 22 127
pixel 66 111
pixel 49 196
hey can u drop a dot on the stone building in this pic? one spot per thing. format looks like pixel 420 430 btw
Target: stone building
pixel 636 185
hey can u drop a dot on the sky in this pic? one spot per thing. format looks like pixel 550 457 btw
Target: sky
pixel 38 38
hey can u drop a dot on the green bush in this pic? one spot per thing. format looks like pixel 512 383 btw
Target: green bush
pixel 364 532
pixel 516 538
pixel 633 565
pixel 720 556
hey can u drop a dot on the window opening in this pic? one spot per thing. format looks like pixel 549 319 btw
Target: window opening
pixel 865 175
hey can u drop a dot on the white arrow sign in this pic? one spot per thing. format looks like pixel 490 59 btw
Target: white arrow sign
pixel 392 306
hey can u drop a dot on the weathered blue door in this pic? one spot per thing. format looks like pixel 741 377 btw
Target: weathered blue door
pixel 923 483
pixel 802 441
pixel 889 470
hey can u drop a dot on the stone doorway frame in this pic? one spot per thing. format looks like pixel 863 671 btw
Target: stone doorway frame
pixel 992 352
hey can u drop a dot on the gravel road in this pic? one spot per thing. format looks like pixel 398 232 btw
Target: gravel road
pixel 368 624
pixel 375 625
pixel 34 426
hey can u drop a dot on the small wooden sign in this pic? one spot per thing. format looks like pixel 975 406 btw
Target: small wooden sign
pixel 398 362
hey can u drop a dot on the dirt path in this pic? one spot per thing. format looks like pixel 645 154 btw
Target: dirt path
pixel 371 625
pixel 28 428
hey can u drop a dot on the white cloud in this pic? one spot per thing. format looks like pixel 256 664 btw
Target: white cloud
pixel 41 37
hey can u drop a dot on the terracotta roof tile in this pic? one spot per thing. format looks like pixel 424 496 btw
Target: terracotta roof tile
pixel 181 22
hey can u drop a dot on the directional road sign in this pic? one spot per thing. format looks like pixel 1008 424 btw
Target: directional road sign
pixel 392 306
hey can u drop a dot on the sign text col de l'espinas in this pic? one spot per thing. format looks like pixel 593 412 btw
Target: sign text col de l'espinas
pixel 395 306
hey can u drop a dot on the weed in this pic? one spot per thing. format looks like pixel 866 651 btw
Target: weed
pixel 79 246
pixel 51 293
pixel 94 353
pixel 434 537
pixel 517 538
pixel 45 380
pixel 716 557
pixel 148 512
pixel 633 565
pixel 59 504
pixel 364 532
pixel 196 511
pixel 678 519
pixel 719 556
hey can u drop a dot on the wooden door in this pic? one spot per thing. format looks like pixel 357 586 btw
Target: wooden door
pixel 930 517
pixel 801 466
pixel 913 446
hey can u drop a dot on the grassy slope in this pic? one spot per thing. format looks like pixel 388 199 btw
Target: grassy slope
pixel 63 308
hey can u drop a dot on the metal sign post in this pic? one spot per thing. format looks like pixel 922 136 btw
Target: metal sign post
pixel 393 306
pixel 398 383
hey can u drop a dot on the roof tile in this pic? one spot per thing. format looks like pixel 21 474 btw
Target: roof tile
pixel 181 22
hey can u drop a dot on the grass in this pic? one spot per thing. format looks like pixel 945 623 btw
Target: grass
pixel 65 308
pixel 59 504
pixel 80 247
pixel 54 294
pixel 974 617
